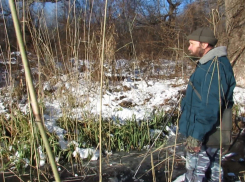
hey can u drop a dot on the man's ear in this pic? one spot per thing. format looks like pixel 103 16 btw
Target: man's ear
pixel 204 45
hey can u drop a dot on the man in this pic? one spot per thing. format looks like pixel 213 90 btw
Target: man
pixel 209 92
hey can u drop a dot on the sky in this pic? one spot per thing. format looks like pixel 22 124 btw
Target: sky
pixel 49 8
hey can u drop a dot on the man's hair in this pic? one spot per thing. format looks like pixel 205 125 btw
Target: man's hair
pixel 209 45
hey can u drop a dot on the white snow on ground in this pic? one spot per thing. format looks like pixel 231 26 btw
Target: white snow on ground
pixel 143 97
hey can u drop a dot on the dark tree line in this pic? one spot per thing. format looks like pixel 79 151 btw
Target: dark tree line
pixel 135 29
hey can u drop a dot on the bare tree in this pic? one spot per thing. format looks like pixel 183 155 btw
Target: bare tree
pixel 171 11
pixel 235 27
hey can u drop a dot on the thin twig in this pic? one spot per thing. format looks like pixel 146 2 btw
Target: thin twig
pixel 101 89
pixel 157 137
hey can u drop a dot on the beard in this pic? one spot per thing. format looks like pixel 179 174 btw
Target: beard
pixel 198 52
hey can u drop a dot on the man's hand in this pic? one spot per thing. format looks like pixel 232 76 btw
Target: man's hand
pixel 193 145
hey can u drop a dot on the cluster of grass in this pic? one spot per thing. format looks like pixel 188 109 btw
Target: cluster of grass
pixel 132 135
pixel 20 140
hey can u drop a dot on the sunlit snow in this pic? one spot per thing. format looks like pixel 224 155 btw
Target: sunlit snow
pixel 144 97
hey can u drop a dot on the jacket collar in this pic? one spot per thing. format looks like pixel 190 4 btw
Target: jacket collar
pixel 217 51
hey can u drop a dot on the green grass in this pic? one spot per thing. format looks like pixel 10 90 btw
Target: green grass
pixel 20 138
pixel 133 135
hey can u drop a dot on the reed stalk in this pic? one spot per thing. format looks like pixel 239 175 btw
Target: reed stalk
pixel 220 115
pixel 152 160
pixel 101 88
pixel 175 144
pixel 34 102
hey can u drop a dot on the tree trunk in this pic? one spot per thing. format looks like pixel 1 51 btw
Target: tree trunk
pixel 235 28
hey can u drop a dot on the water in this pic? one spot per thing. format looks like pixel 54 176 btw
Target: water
pixel 122 167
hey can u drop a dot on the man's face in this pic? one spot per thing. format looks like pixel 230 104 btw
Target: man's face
pixel 195 48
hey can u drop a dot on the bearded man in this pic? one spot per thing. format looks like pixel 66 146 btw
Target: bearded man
pixel 209 92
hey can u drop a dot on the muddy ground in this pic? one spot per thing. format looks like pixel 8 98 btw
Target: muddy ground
pixel 124 167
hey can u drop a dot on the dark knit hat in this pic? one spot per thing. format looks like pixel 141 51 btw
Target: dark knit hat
pixel 204 35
